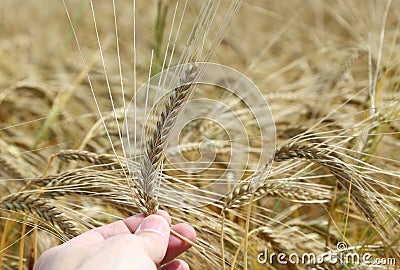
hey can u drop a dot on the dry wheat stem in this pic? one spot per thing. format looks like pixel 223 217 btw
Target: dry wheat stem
pixel 372 136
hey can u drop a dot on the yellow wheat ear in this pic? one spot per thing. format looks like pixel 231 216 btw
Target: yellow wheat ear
pixel 147 176
pixel 149 168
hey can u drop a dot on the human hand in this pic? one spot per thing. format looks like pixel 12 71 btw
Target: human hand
pixel 137 242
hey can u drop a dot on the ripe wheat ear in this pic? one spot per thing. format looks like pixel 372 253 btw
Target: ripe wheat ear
pixel 147 175
pixel 33 205
pixel 352 181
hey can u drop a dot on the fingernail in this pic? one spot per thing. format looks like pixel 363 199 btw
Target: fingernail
pixel 154 224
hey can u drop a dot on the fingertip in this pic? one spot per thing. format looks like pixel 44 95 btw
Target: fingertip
pixel 176 245
pixel 165 215
pixel 185 230
pixel 153 234
pixel 133 222
pixel 155 224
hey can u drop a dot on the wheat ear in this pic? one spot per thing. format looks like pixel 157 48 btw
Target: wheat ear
pixel 350 179
pixel 283 189
pixel 335 165
pixel 148 172
pixel 107 162
pixel 27 203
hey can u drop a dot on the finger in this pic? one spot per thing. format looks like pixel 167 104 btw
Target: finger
pixel 153 237
pixel 99 234
pixel 128 225
pixel 175 265
pixel 133 222
pixel 176 246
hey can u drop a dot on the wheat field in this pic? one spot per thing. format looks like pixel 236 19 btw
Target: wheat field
pixel 311 166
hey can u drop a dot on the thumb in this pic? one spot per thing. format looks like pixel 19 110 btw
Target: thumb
pixel 153 234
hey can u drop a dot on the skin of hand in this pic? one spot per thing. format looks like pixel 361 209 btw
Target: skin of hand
pixel 137 242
